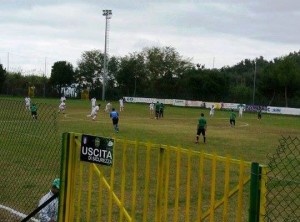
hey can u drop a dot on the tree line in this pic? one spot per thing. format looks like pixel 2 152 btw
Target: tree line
pixel 161 72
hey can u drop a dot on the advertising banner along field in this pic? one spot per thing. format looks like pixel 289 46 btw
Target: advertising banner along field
pixel 217 105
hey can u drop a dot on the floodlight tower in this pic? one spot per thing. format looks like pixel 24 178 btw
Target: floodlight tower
pixel 107 14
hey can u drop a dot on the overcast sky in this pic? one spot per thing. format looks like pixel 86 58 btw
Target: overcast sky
pixel 36 33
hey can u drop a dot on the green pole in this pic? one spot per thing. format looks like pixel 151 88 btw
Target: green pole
pixel 254 193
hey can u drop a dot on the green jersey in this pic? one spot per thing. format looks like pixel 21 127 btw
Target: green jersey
pixel 157 107
pixel 202 123
pixel 232 116
pixel 33 108
pixel 161 106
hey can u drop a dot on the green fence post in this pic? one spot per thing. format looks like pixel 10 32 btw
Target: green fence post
pixel 254 193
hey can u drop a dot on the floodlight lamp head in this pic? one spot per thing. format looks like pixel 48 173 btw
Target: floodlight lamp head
pixel 106 12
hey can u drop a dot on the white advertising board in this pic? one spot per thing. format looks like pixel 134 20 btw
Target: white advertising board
pixel 178 102
pixel 192 103
pixel 283 110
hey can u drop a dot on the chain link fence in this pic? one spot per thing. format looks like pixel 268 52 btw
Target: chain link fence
pixel 283 186
pixel 30 157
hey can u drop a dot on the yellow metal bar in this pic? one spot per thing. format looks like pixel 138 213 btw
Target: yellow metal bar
pixel 100 197
pixel 207 155
pixel 89 196
pixel 188 189
pixel 70 151
pixel 79 193
pixel 124 163
pixel 226 189
pixel 157 209
pixel 75 171
pixel 62 210
pixel 111 191
pixel 177 186
pixel 114 196
pixel 213 189
pixel 146 191
pixel 185 151
pixel 162 170
pixel 239 211
pixel 220 202
pixel 69 188
pixel 167 179
pixel 134 181
pixel 263 193
pixel 70 178
pixel 200 187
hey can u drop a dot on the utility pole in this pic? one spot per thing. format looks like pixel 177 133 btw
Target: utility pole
pixel 254 79
pixel 107 14
pixel 45 73
pixel 8 62
pixel 44 79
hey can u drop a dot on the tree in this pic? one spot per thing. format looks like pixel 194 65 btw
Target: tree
pixel 131 77
pixel 90 69
pixel 89 74
pixel 204 84
pixel 269 85
pixel 165 61
pixel 39 83
pixel 2 77
pixel 287 70
pixel 113 67
pixel 165 69
pixel 62 74
pixel 240 94
pixel 15 84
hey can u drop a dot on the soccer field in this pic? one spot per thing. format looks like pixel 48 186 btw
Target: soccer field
pixel 35 141
pixel 251 139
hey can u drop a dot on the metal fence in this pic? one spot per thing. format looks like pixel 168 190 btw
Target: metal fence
pixel 152 182
pixel 147 182
pixel 283 184
pixel 26 172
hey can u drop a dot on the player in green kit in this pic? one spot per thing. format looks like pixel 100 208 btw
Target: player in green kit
pixel 33 110
pixel 201 128
pixel 232 118
pixel 157 108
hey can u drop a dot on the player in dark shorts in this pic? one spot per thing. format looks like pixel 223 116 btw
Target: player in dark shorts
pixel 33 110
pixel 114 115
pixel 157 108
pixel 259 114
pixel 201 128
pixel 232 118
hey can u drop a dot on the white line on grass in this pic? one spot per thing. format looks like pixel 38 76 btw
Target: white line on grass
pixel 19 214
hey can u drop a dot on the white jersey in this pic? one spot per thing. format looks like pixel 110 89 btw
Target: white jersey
pixel 212 111
pixel 95 111
pixel 121 103
pixel 93 101
pixel 50 211
pixel 27 101
pixel 62 106
pixel 108 107
pixel 63 99
pixel 241 109
pixel 151 106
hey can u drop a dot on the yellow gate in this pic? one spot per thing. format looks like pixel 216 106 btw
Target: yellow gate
pixel 152 182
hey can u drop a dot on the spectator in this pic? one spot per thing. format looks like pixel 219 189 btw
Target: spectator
pixel 50 211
